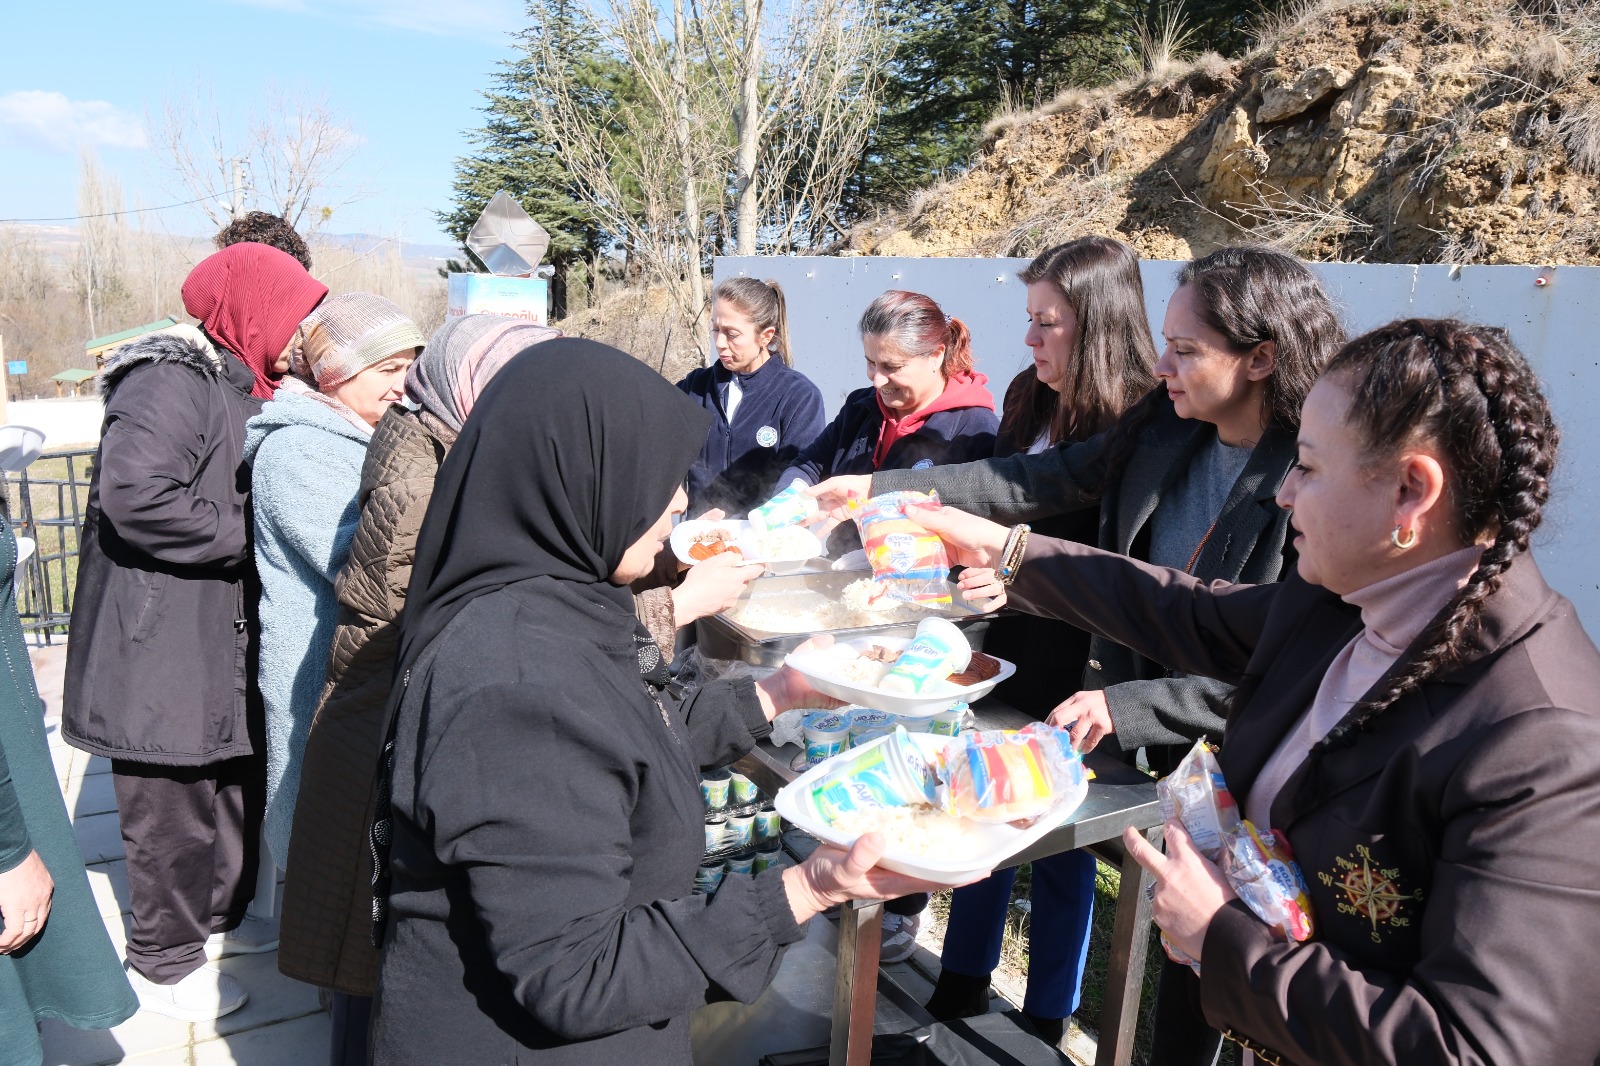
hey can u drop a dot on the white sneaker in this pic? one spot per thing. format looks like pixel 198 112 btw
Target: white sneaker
pixel 251 937
pixel 205 994
pixel 899 937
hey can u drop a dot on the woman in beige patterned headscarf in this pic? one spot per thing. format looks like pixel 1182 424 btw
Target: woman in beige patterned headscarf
pixel 356 348
pixel 327 893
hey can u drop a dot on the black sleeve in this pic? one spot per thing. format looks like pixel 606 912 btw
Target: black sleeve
pixel 1018 488
pixel 1168 710
pixel 815 460
pixel 724 719
pixel 1161 613
pixel 548 871
pixel 150 455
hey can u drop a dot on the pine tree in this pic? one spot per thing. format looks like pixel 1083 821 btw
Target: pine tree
pixel 513 153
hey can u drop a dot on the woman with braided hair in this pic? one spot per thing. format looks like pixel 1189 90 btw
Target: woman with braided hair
pixel 1417 713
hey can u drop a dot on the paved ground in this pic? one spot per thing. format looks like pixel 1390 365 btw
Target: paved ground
pixel 281 1024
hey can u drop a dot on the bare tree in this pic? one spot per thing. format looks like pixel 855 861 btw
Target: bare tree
pixel 286 155
pixel 100 264
pixel 728 115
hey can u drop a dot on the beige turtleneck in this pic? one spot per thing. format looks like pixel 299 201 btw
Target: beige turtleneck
pixel 1394 612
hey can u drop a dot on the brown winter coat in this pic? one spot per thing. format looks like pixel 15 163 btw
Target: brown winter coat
pixel 327 892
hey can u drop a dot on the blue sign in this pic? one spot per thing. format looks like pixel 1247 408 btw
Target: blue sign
pixel 17 367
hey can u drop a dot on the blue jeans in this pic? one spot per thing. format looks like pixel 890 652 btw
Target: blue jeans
pixel 1058 938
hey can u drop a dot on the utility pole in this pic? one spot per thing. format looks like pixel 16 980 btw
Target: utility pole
pixel 236 206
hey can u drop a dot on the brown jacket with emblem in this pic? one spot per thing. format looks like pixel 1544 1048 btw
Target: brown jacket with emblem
pixel 327 899
pixel 1452 847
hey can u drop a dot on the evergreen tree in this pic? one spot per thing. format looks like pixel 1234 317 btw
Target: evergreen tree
pixel 513 153
pixel 958 63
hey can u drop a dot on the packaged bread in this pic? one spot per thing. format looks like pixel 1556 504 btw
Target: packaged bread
pixel 908 562
pixel 1258 863
pixel 1016 776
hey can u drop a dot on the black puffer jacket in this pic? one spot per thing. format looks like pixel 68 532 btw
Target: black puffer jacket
pixel 162 653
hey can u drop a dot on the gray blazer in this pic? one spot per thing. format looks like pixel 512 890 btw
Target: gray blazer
pixel 1148 706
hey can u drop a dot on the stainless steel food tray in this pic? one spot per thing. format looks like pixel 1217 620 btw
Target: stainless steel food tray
pixel 720 637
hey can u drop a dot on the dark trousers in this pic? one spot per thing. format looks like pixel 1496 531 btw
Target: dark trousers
pixel 1058 934
pixel 1182 1036
pixel 192 836
pixel 352 1020
pixel 906 906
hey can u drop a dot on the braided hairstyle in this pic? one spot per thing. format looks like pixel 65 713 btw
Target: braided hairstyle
pixel 1468 392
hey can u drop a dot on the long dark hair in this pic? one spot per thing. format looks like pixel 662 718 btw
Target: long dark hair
pixel 1467 391
pixel 1112 355
pixel 1251 294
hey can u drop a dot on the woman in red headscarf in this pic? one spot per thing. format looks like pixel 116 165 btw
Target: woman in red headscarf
pixel 158 672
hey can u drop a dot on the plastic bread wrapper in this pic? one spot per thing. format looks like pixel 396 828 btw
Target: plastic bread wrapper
pixel 1013 776
pixel 1258 864
pixel 909 563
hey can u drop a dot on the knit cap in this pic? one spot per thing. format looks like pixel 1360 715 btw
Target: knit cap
pixel 351 332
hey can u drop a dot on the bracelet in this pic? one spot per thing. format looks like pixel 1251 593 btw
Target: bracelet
pixel 1011 556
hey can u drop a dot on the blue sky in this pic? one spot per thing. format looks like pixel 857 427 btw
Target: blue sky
pixel 404 74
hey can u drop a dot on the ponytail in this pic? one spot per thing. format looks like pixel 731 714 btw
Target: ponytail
pixel 764 304
pixel 957 349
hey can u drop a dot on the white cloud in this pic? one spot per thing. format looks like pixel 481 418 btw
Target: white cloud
pixel 459 18
pixel 52 121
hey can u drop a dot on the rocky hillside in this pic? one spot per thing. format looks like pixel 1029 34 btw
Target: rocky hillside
pixel 1380 130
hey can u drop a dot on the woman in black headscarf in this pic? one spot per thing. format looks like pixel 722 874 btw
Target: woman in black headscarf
pixel 546 813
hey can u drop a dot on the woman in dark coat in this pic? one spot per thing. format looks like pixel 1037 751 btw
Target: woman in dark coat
pixel 1186 478
pixel 1092 357
pixel 160 669
pixel 546 814
pixel 1417 714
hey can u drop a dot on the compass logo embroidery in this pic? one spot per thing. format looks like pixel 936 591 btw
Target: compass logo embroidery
pixel 1371 892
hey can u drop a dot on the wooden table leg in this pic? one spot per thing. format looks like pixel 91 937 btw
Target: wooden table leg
pixel 1125 974
pixel 855 985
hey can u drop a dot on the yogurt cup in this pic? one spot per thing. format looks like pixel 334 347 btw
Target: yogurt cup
pixel 790 507
pixel 769 824
pixel 742 790
pixel 827 734
pixel 938 650
pixel 714 789
pixel 716 831
pixel 741 831
pixel 948 723
pixel 767 856
pixel 743 863
pixel 891 772
pixel 864 721
pixel 708 877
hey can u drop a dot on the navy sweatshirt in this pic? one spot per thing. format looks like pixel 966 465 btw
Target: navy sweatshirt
pixel 780 413
pixel 956 435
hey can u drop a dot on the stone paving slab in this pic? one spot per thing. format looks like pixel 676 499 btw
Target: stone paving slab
pixel 283 1021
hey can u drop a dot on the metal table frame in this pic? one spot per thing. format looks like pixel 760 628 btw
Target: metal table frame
pixel 1119 797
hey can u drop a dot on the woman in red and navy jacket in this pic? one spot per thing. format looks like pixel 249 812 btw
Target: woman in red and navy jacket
pixel 926 406
pixel 763 410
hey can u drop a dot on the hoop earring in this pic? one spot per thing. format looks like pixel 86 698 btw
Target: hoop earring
pixel 1404 545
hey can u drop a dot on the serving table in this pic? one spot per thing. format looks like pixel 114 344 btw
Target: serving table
pixel 1119 797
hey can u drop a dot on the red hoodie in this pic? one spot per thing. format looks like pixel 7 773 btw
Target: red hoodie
pixel 965 389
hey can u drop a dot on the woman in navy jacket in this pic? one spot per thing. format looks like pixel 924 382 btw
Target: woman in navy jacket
pixel 763 410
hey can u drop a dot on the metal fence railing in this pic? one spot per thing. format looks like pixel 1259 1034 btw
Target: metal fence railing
pixel 46 502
